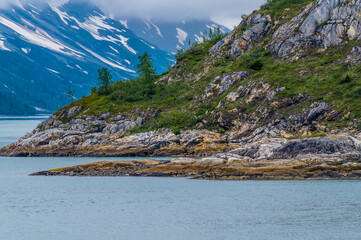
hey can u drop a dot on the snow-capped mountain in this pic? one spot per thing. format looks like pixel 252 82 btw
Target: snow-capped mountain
pixel 46 49
pixel 171 36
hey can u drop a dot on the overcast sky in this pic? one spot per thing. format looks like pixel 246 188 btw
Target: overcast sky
pixel 226 12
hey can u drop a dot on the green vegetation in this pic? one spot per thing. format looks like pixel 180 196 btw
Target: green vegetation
pixel 280 8
pixel 175 120
pixel 104 81
pixel 210 37
pixel 140 89
pixel 319 76
pixel 181 99
pixel 70 94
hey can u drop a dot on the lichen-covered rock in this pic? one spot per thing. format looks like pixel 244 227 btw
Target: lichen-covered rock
pixel 355 55
pixel 327 23
pixel 319 146
pixel 321 25
pixel 223 83
pixel 279 148
pixel 81 137
pixel 270 159
pixel 257 27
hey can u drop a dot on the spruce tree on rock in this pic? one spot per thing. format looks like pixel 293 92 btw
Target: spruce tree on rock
pixel 70 94
pixel 104 80
pixel 147 74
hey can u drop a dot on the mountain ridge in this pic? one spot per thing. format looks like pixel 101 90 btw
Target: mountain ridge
pixel 48 49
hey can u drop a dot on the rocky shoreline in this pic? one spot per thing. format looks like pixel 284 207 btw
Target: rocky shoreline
pixel 298 169
pixel 271 159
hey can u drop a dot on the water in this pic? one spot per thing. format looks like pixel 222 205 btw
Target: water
pixel 12 128
pixel 166 208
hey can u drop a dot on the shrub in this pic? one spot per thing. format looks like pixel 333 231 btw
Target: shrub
pixel 176 120
pixel 104 80
pixel 256 65
pixel 346 79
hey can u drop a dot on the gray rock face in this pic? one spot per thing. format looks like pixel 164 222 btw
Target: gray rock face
pixel 278 148
pixel 328 146
pixel 222 83
pixel 257 27
pixel 218 46
pixel 321 25
pixel 355 55
pixel 233 96
pixel 325 24
pixel 315 112
pixel 73 111
pixel 109 136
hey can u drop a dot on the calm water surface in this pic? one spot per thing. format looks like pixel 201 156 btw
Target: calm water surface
pixel 165 208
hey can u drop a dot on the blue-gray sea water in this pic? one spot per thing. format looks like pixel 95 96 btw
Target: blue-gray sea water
pixel 67 208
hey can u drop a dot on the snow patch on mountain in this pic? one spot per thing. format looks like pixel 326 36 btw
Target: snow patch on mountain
pixel 2 44
pixel 95 24
pixel 124 41
pixel 40 109
pixel 80 69
pixel 19 4
pixel 57 3
pixel 106 61
pixel 40 38
pixel 115 50
pixel 124 23
pixel 28 23
pixel 63 16
pixel 156 28
pixel 53 71
pixel 12 91
pixel 181 36
pixel 35 9
pixel 152 47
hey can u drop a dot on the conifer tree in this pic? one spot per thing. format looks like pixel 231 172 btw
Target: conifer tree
pixel 104 80
pixel 70 94
pixel 147 74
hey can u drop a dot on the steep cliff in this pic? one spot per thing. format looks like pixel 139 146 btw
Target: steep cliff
pixel 289 71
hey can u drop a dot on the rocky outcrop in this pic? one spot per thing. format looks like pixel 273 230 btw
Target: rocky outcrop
pixel 265 120
pixel 322 25
pixel 223 83
pixel 109 136
pixel 252 30
pixel 274 159
pixel 354 56
pixel 343 147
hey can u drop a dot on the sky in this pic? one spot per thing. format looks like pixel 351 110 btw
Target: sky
pixel 225 12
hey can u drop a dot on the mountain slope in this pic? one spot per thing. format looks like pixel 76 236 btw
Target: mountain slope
pixel 46 49
pixel 171 36
pixel 248 97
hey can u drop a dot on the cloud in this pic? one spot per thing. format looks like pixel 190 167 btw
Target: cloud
pixel 227 12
